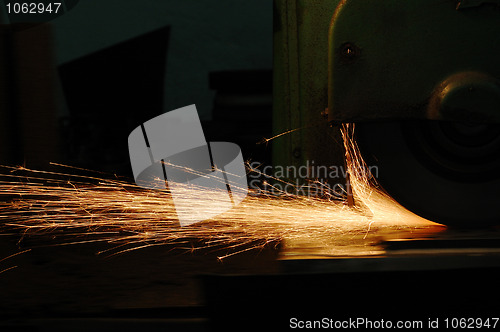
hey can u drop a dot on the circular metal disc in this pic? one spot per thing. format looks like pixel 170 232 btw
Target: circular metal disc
pixel 446 172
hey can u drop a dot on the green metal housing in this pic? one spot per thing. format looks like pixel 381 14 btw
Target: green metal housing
pixel 433 59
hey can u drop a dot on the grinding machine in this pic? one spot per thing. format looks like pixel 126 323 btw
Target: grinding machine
pixel 421 81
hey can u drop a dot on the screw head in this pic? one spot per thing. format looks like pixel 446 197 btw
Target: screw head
pixel 349 52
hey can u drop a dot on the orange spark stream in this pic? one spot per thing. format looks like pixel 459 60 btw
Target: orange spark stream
pixel 92 209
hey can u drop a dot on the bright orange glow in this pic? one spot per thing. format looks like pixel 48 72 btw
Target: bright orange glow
pixel 93 209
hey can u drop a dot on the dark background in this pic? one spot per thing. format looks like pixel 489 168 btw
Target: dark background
pixel 206 36
pixel 104 67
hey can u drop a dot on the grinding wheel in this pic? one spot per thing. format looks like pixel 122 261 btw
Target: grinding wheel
pixel 447 172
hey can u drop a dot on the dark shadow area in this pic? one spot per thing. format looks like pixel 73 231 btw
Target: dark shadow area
pixel 109 93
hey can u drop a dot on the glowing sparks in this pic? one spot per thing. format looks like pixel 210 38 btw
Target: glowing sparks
pixel 366 188
pixel 91 209
pixel 11 256
pixel 267 140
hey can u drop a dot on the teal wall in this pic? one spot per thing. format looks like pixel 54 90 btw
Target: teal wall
pixel 206 35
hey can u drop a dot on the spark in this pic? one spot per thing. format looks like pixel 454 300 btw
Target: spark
pixel 8 269
pixel 68 209
pixel 267 140
pixel 11 256
pixel 15 254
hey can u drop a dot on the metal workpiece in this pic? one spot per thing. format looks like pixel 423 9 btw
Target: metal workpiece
pixel 414 59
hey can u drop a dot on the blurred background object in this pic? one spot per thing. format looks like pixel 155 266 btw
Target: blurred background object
pixel 28 100
pixel 109 93
pixel 74 88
